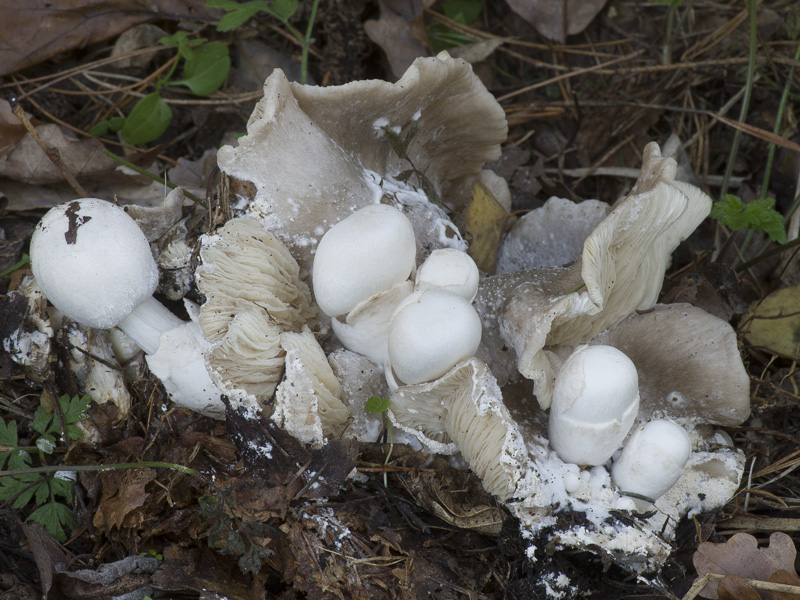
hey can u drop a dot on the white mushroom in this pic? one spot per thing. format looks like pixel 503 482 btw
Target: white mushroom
pixel 652 461
pixel 449 269
pixel 431 331
pixel 362 255
pixel 93 263
pixel 595 401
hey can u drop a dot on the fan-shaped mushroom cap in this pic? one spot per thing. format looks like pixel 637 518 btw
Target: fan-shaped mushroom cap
pixel 550 236
pixel 463 411
pixel 313 155
pixel 688 363
pixel 245 267
pixel 362 255
pixel 620 270
pixel 308 402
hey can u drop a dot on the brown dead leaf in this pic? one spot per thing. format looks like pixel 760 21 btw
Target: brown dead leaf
pixel 25 161
pixel 741 556
pixel 547 16
pixel 785 578
pixel 400 32
pixel 733 587
pixel 123 494
pixel 485 220
pixel 34 30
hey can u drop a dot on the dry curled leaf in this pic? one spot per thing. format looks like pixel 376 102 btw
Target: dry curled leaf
pixel 548 16
pixel 741 556
pixel 400 32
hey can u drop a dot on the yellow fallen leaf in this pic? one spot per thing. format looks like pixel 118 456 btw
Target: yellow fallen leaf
pixel 774 323
pixel 484 220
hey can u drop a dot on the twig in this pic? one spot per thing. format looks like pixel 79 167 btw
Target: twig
pixel 51 153
pixel 763 585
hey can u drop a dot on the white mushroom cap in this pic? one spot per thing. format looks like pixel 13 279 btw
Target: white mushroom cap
pixel 92 262
pixel 431 332
pixel 451 270
pixel 364 254
pixel 652 461
pixel 595 400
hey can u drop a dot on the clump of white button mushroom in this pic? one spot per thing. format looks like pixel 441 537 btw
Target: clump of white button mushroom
pixel 651 462
pixel 94 264
pixel 361 280
pixel 595 401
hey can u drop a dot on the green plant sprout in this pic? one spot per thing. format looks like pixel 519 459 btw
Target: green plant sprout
pixel 51 492
pixel 205 69
pixel 238 13
pixel 22 262
pixel 460 11
pixel 379 405
pixel 227 535
pixel 757 215
pixel 400 147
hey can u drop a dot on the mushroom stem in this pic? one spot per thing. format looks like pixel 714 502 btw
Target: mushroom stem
pixel 146 322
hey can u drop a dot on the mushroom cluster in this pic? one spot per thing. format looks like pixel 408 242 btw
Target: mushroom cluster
pixel 560 380
pixel 416 330
pixel 592 285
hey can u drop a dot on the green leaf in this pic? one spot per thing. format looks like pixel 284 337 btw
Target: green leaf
pixel 42 490
pixel 25 495
pixel 74 409
pixel 398 144
pixel 238 14
pixel 18 459
pixel 10 487
pixel 376 404
pixel 463 11
pixel 173 40
pixel 46 444
pixel 207 69
pixel 99 128
pixel 148 120
pixel 757 215
pixel 116 123
pixel 53 516
pixel 284 9
pixel 42 420
pixel 62 487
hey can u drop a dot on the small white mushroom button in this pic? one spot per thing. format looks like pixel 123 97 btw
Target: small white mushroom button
pixel 652 461
pixel 449 269
pixel 93 263
pixel 362 255
pixel 595 400
pixel 429 334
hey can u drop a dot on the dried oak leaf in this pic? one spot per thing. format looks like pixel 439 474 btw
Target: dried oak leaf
pixel 741 556
pixel 734 587
pixel 785 578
